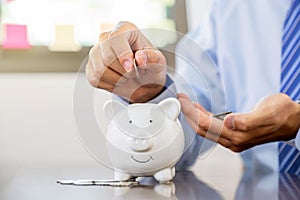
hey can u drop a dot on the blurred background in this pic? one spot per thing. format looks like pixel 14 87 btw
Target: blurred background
pixel 56 35
pixel 43 44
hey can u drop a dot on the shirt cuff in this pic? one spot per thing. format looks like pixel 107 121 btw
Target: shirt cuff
pixel 297 140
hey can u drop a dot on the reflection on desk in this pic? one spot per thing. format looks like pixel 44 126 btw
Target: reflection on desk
pixel 186 186
pixel 40 183
pixel 267 186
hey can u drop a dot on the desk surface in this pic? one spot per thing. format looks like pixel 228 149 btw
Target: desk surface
pixel 39 182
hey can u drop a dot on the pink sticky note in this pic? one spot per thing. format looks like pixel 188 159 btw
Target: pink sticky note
pixel 15 37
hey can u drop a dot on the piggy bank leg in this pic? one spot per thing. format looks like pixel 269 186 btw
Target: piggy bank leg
pixel 122 176
pixel 165 175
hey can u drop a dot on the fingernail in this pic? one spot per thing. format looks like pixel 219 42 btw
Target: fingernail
pixel 229 122
pixel 127 65
pixel 180 100
pixel 144 58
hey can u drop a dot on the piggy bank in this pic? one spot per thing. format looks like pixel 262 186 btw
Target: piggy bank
pixel 144 139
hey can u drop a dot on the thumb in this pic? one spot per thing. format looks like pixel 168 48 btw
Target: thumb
pixel 149 56
pixel 241 121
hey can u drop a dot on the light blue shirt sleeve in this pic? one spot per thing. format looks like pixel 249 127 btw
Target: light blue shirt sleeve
pixel 196 75
pixel 297 140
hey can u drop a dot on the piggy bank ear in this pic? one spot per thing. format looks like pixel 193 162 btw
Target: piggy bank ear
pixel 171 106
pixel 112 108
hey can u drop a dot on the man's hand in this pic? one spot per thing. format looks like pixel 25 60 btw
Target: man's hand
pixel 110 65
pixel 274 118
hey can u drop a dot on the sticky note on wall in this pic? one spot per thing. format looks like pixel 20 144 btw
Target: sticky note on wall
pixel 64 39
pixel 15 36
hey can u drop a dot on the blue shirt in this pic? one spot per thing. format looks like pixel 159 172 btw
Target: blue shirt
pixel 243 39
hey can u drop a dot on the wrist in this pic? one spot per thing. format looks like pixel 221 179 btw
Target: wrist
pixel 148 92
pixel 168 82
pixel 167 89
pixel 294 121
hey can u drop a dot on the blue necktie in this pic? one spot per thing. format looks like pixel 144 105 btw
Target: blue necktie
pixel 289 187
pixel 289 156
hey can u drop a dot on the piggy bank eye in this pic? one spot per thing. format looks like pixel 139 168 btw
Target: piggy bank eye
pixel 150 121
pixel 130 121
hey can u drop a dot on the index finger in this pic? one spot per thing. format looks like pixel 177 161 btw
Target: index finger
pixel 108 56
pixel 201 118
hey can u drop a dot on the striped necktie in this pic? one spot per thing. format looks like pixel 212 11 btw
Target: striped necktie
pixel 289 187
pixel 289 156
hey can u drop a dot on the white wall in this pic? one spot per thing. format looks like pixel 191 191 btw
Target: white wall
pixel 37 121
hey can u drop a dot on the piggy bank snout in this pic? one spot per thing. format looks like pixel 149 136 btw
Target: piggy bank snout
pixel 141 144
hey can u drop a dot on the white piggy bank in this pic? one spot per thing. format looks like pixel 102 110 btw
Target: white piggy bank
pixel 144 139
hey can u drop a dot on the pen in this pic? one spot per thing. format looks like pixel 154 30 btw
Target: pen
pixel 111 183
pixel 221 116
pixel 136 69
